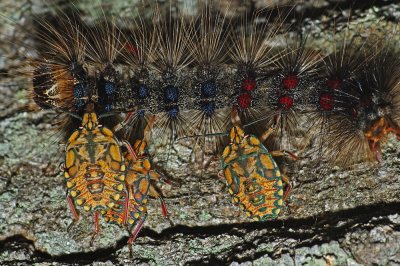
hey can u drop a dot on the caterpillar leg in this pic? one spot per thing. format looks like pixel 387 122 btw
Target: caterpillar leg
pixel 96 227
pixel 284 153
pixel 74 212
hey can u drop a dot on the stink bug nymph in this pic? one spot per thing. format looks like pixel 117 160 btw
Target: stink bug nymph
pixel 94 167
pixel 253 177
pixel 131 209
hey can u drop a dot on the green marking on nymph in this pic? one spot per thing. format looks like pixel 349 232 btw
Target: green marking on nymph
pixel 263 209
pixel 261 200
pixel 268 216
pixel 90 146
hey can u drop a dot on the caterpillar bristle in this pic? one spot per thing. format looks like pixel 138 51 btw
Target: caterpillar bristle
pixel 104 43
pixel 338 74
pixel 210 31
pixel 139 45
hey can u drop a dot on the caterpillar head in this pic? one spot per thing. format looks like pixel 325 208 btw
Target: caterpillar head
pixel 379 129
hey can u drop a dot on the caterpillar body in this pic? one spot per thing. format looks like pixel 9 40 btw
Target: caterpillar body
pixel 179 71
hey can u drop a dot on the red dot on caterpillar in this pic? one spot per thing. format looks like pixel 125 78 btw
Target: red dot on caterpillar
pixel 326 101
pixel 244 100
pixel 249 84
pixel 334 83
pixel 286 102
pixel 290 81
pixel 130 48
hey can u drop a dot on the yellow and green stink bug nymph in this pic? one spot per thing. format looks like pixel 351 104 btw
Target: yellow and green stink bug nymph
pixel 252 175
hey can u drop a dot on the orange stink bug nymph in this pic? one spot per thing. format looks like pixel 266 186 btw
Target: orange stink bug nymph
pixel 94 167
pixel 253 177
pixel 131 209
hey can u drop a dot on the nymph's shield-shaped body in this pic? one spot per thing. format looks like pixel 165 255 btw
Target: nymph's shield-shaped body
pixel 94 166
pixel 252 176
pixel 138 184
pixel 139 174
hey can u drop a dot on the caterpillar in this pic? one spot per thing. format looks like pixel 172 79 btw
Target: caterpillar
pixel 188 74
pixel 179 71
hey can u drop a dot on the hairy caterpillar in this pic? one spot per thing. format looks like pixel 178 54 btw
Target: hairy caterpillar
pixel 177 66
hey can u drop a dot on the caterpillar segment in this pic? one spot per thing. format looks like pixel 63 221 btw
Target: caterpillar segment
pixel 138 54
pixel 171 59
pixel 333 94
pixel 95 169
pixel 253 57
pixel 170 77
pixel 253 178
pixel 209 90
pixel 106 44
pixel 287 90
pixel 62 49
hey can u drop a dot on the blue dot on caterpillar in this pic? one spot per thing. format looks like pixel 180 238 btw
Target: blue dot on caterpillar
pixel 252 175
